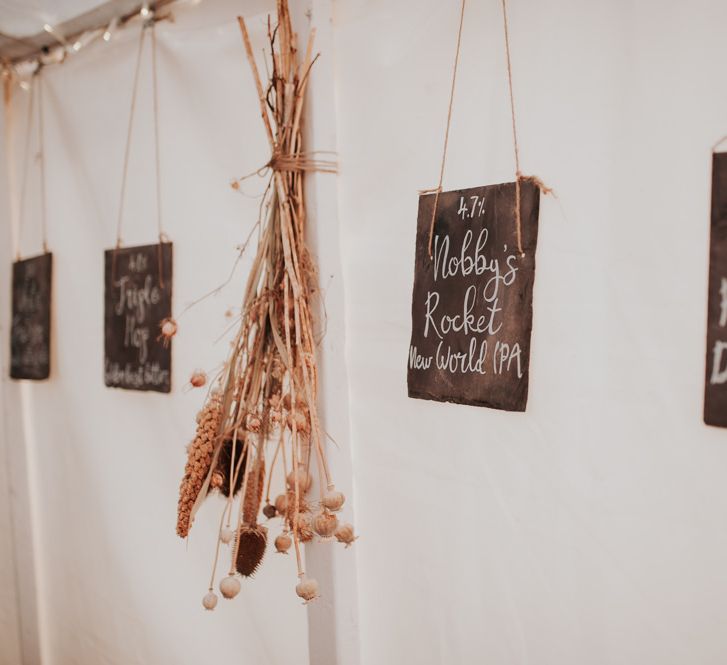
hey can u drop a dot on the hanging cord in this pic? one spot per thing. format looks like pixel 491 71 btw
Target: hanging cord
pixel 37 82
pixel 518 173
pixel 156 130
pixel 151 23
pixel 438 190
pixel 9 123
pixel 26 155
pixel 41 157
pixel 127 149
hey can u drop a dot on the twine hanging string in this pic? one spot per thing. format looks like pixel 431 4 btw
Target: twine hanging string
pixel 518 174
pixel 36 83
pixel 438 190
pixel 8 81
pixel 519 177
pixel 127 149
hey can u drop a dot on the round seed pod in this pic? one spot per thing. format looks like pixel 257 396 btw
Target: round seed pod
pixel 325 524
pixel 304 528
pixel 304 480
pixel 210 600
pixel 301 421
pixel 281 504
pixel 169 328
pixel 226 536
pixel 252 423
pixel 283 543
pixel 333 500
pixel 344 534
pixel 216 480
pixel 198 378
pixel 269 511
pixel 230 587
pixel 307 589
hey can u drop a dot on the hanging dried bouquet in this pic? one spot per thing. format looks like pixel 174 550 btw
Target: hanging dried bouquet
pixel 261 412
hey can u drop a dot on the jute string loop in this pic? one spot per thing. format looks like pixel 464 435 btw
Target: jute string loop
pixel 518 173
pixel 438 190
pixel 127 149
pixel 36 84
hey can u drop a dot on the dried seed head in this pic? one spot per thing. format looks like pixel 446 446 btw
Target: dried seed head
pixel 216 480
pixel 253 423
pixel 250 548
pixel 226 536
pixel 344 534
pixel 198 378
pixel 301 421
pixel 304 480
pixel 210 600
pixel 281 504
pixel 333 500
pixel 307 589
pixel 230 587
pixel 169 328
pixel 303 528
pixel 199 459
pixel 283 543
pixel 325 524
pixel 269 511
pixel 235 184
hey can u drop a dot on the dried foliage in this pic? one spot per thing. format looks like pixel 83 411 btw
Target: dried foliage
pixel 267 391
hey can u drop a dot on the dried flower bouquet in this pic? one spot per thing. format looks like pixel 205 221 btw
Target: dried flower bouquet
pixel 264 400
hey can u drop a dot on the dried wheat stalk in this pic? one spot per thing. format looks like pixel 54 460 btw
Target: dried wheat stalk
pixel 268 388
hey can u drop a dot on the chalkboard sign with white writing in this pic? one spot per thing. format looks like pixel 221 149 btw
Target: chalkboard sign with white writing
pixel 472 301
pixel 137 300
pixel 30 324
pixel 715 389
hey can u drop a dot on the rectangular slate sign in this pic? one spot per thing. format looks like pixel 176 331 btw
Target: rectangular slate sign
pixel 30 324
pixel 715 383
pixel 138 297
pixel 472 305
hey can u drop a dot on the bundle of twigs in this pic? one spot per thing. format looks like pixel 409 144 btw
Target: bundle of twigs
pixel 265 398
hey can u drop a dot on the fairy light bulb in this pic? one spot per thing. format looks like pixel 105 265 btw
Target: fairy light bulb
pixel 109 32
pixel 145 11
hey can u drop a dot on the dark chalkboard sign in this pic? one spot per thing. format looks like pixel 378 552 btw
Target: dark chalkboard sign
pixel 715 385
pixel 472 304
pixel 138 298
pixel 30 325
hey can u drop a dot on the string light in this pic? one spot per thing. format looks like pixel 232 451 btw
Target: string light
pixel 145 11
pixel 109 32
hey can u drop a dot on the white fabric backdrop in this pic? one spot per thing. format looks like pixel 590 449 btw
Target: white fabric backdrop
pixel 588 530
pixel 115 583
pixel 592 528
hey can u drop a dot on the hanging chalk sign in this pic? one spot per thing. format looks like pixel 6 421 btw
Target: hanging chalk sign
pixel 715 390
pixel 138 298
pixel 472 302
pixel 30 324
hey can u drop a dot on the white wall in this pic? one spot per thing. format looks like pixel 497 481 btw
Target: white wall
pixel 592 528
pixel 115 583
pixel 589 529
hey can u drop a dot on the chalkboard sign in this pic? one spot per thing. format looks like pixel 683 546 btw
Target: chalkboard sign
pixel 472 303
pixel 30 324
pixel 715 385
pixel 138 298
